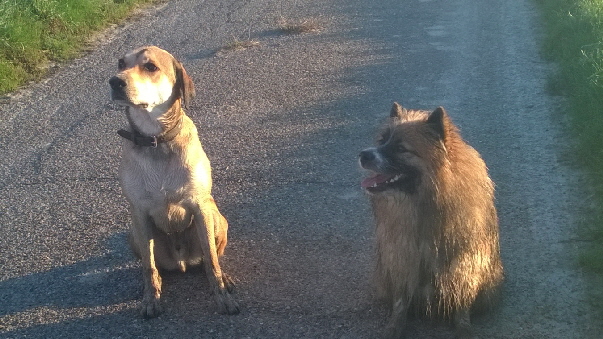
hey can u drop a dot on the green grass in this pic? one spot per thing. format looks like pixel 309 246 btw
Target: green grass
pixel 37 33
pixel 574 42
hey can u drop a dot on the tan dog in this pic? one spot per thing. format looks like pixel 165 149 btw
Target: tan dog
pixel 166 177
pixel 436 223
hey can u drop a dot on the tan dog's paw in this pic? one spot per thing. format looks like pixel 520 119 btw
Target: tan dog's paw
pixel 228 283
pixel 150 307
pixel 226 303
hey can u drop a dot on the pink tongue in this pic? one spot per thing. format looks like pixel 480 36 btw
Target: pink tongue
pixel 375 179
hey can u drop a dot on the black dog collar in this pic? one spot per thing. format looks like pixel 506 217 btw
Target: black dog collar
pixel 140 139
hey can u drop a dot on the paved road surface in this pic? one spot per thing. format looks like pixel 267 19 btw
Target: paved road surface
pixel 282 124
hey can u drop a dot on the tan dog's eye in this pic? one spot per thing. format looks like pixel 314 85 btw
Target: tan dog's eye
pixel 149 66
pixel 121 64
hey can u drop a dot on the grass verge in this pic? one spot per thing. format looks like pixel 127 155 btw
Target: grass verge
pixel 574 42
pixel 34 34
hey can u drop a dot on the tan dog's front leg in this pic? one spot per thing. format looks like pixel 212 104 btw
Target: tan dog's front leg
pixel 142 236
pixel 206 217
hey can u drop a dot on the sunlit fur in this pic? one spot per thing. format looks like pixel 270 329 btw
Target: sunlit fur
pixel 437 247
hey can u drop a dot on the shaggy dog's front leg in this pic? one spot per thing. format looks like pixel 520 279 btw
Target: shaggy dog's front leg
pixel 396 326
pixel 462 324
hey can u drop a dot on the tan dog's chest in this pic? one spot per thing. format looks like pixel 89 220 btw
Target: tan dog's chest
pixel 162 191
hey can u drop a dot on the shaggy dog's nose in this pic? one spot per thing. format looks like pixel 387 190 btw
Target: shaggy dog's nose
pixel 366 156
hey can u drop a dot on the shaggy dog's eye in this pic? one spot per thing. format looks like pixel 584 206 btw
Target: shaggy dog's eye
pixel 121 64
pixel 383 138
pixel 402 149
pixel 149 66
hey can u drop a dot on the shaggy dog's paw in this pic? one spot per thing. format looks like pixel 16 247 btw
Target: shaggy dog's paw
pixel 394 332
pixel 464 332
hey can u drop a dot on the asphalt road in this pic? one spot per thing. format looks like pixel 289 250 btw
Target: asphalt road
pixel 283 123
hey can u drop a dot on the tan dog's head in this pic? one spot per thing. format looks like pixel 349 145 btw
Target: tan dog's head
pixel 151 79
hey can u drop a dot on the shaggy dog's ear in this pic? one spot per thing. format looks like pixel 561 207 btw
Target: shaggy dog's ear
pixel 438 121
pixel 397 111
pixel 184 84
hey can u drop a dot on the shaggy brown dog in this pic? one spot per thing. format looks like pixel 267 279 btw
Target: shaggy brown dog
pixel 166 177
pixel 436 224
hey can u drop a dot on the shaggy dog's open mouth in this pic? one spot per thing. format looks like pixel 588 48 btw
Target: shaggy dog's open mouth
pixel 379 182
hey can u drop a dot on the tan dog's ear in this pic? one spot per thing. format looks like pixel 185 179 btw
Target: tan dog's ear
pixel 184 84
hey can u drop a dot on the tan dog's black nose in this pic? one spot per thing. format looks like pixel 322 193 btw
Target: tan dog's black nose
pixel 117 83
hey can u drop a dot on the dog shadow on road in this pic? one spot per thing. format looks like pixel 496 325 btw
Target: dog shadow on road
pixel 97 297
pixel 99 281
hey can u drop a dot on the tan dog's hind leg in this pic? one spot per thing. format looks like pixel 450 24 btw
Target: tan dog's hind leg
pixel 221 233
pixel 206 218
pixel 150 306
pixel 220 227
